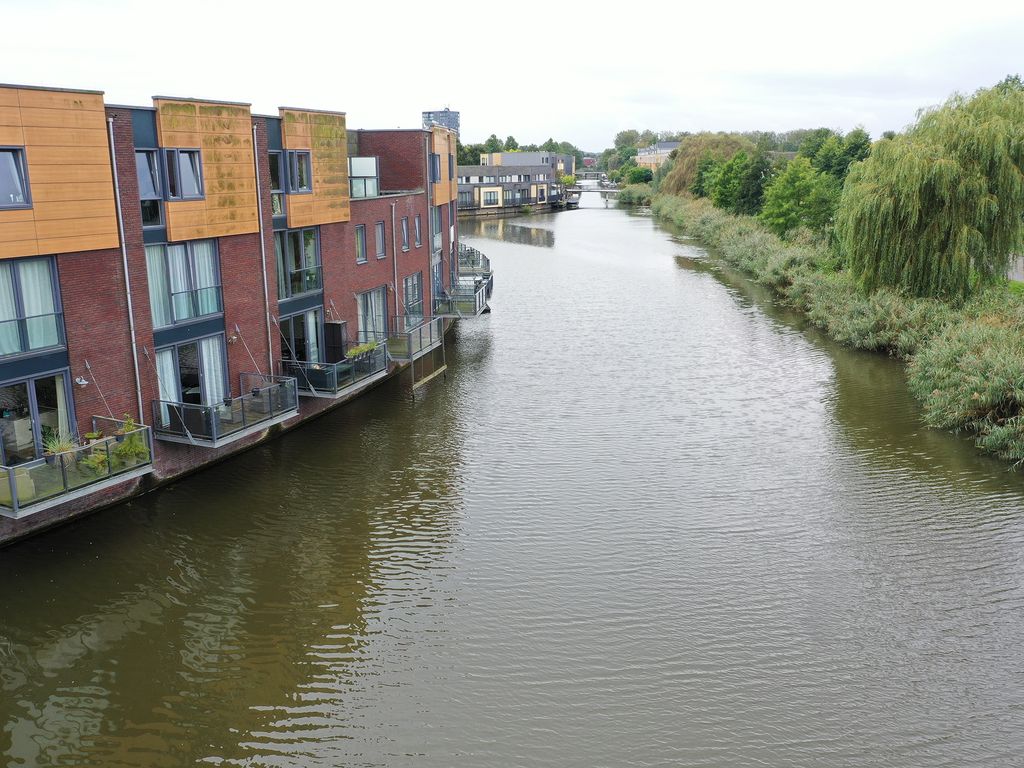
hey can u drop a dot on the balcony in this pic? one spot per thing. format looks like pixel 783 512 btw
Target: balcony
pixel 473 263
pixel 413 336
pixel 360 367
pixel 266 401
pixel 126 453
pixel 468 298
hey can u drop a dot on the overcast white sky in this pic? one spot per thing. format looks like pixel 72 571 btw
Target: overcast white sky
pixel 573 71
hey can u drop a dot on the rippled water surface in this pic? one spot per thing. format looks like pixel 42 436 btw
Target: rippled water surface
pixel 648 520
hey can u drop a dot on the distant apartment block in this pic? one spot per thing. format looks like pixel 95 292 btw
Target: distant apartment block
pixel 443 117
pixel 653 156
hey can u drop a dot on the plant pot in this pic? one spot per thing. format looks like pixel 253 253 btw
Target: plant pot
pixel 51 458
pixel 119 437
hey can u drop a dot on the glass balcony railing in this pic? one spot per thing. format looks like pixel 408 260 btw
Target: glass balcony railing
pixel 29 334
pixel 118 453
pixel 335 379
pixel 472 262
pixel 466 298
pixel 198 302
pixel 265 401
pixel 409 343
pixel 305 280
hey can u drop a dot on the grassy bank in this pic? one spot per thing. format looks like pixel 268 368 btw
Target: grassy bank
pixel 965 362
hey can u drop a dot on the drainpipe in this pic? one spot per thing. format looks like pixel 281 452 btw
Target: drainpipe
pixel 394 259
pixel 124 264
pixel 263 254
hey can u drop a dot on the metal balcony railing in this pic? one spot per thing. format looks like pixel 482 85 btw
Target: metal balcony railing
pixel 265 401
pixel 464 299
pixel 335 379
pixel 102 462
pixel 413 337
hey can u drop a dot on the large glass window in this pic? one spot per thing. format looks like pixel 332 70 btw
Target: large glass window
pixel 360 243
pixel 362 177
pixel 379 240
pixel 31 412
pixel 490 198
pixel 435 167
pixel 300 172
pixel 302 336
pixel 277 199
pixel 298 262
pixel 184 281
pixel 30 316
pixel 436 214
pixel 194 372
pixel 147 169
pixel 372 307
pixel 413 298
pixel 466 199
pixel 184 173
pixel 13 178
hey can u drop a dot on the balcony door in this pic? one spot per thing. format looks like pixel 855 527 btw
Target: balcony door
pixel 30 412
pixel 194 372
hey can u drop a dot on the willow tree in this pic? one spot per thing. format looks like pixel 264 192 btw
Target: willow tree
pixel 938 210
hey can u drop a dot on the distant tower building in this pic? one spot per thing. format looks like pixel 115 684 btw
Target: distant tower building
pixel 444 117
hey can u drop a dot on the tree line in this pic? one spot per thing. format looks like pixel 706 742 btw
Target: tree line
pixel 469 154
pixel 937 210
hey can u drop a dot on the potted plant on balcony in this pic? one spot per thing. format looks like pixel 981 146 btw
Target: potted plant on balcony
pixel 131 451
pixel 92 437
pixel 59 444
pixel 127 425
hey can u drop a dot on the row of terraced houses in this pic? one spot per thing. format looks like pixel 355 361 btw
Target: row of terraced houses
pixel 182 280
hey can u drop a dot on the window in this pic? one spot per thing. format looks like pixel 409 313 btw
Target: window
pixel 435 167
pixel 488 179
pixel 540 194
pixel 301 336
pixel 298 262
pixel 194 372
pixel 184 281
pixel 413 299
pixel 30 315
pixel 13 179
pixel 360 243
pixel 511 197
pixel 372 308
pixel 405 233
pixel 490 198
pixel 147 168
pixel 277 191
pixel 419 232
pixel 300 172
pixel 451 166
pixel 379 238
pixel 184 174
pixel 362 177
pixel 30 412
pixel 436 227
pixel 466 199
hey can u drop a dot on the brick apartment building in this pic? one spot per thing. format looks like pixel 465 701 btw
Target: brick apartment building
pixel 180 281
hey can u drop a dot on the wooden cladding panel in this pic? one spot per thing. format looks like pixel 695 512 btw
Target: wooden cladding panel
pixel 442 142
pixel 223 135
pixel 70 182
pixel 325 136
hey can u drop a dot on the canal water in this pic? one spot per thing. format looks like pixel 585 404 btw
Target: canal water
pixel 649 519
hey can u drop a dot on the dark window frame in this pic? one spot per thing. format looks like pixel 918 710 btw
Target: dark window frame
pixel 360 243
pixel 293 158
pixel 380 236
pixel 405 233
pixel 21 167
pixel 174 155
pixel 19 309
pixel 287 287
pixel 418 231
pixel 280 192
pixel 191 277
pixel 33 407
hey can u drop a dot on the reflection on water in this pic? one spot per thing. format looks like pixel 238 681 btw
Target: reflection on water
pixel 649 518
pixel 513 230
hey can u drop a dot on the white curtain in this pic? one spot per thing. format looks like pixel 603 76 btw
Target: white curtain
pixel 37 297
pixel 312 336
pixel 159 290
pixel 167 376
pixel 282 270
pixel 212 366
pixel 204 260
pixel 177 262
pixel 63 423
pixel 10 339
